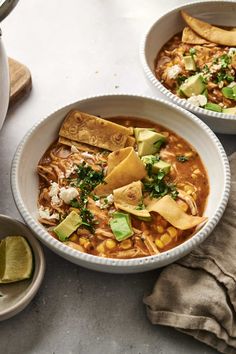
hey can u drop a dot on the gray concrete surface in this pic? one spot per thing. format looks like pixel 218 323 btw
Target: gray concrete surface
pixel 73 49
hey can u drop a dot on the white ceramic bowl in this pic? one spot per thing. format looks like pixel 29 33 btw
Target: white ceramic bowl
pixel 4 83
pixel 16 296
pixel 222 13
pixel 25 181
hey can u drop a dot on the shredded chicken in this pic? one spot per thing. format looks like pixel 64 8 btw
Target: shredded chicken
pixel 189 200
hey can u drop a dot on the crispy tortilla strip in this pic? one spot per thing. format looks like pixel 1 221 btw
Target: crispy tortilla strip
pixel 209 32
pixel 88 129
pixel 80 146
pixel 129 198
pixel 190 37
pixel 170 211
pixel 130 141
pixel 124 167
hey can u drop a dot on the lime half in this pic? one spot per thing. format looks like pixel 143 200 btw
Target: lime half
pixel 16 259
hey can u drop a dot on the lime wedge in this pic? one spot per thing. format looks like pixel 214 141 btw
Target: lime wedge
pixel 16 259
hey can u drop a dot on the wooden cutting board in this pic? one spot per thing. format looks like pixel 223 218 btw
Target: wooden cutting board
pixel 20 81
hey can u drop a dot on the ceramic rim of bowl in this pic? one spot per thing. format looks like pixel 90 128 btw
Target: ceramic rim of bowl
pixel 37 278
pixel 169 255
pixel 180 102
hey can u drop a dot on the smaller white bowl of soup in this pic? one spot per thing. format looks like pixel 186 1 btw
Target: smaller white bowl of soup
pixel 121 183
pixel 182 61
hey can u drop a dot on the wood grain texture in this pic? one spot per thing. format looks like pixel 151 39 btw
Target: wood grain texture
pixel 20 81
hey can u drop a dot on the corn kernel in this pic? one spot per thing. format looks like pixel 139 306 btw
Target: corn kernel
pixel 87 244
pixel 194 176
pixel 160 229
pixel 180 145
pixel 197 171
pixel 110 244
pixel 126 244
pixel 159 243
pixel 172 231
pixel 73 237
pixel 165 238
pixel 82 240
pixel 101 248
pixel 188 189
pixel 189 154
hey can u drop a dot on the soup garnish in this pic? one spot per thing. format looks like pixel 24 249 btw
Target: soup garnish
pixel 121 187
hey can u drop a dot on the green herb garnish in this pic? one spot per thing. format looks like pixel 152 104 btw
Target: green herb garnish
pixel 180 79
pixel 225 60
pixel 182 158
pixel 192 51
pixel 87 179
pixel 157 187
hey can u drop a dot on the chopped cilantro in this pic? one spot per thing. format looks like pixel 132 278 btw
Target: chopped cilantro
pixel 182 158
pixel 74 203
pixel 140 207
pixel 206 69
pixel 192 51
pixel 95 198
pixel 157 187
pixel 225 60
pixel 87 179
pixel 181 79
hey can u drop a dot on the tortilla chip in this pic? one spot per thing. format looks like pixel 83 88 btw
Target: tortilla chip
pixel 171 211
pixel 124 167
pixel 209 32
pixel 129 198
pixel 80 146
pixel 190 37
pixel 130 141
pixel 88 129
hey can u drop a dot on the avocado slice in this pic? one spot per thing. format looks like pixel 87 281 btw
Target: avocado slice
pixel 139 130
pixel 121 226
pixel 213 107
pixel 189 63
pixel 157 164
pixel 194 85
pixel 231 110
pixel 68 226
pixel 150 142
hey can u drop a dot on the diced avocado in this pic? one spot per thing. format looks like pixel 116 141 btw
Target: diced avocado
pixel 231 110
pixel 162 166
pixel 121 226
pixel 194 85
pixel 205 93
pixel 150 142
pixel 68 226
pixel 156 163
pixel 150 159
pixel 213 107
pixel 189 63
pixel 229 92
pixel 138 130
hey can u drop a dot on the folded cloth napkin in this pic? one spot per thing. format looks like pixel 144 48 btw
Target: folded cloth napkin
pixel 197 294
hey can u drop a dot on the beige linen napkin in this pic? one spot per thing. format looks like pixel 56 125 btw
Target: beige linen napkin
pixel 197 294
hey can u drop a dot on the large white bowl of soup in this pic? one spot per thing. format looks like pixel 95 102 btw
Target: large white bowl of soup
pixel 191 70
pixel 121 183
